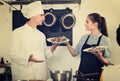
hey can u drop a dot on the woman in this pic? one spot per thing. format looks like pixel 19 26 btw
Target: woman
pixel 28 49
pixel 92 62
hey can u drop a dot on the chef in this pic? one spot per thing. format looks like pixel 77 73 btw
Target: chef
pixel 28 49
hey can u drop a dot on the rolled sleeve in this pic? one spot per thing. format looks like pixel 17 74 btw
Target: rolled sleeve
pixel 48 53
pixel 107 53
pixel 79 46
pixel 78 49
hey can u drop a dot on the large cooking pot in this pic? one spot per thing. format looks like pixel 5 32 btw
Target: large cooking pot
pixel 50 18
pixel 63 75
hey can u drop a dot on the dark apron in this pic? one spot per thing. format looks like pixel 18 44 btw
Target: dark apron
pixel 89 62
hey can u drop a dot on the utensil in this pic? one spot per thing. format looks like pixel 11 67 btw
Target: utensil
pixel 51 73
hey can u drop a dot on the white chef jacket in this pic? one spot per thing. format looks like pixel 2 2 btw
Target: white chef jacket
pixel 26 41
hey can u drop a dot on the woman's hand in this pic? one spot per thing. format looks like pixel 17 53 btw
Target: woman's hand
pixel 98 51
pixel 99 54
pixel 67 43
pixel 33 59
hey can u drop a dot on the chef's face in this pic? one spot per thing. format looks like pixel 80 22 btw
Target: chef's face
pixel 89 24
pixel 38 19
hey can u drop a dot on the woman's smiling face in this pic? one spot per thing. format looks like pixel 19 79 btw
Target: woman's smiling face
pixel 89 24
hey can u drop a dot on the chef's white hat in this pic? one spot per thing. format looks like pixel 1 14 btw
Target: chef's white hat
pixel 32 9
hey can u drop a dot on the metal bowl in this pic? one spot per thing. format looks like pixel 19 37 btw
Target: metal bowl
pixel 61 75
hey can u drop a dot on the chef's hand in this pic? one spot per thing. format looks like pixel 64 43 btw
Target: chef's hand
pixel 58 39
pixel 54 45
pixel 33 59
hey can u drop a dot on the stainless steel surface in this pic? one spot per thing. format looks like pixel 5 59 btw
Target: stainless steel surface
pixel 61 75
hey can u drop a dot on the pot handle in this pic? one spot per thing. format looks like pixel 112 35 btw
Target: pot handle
pixel 80 73
pixel 51 73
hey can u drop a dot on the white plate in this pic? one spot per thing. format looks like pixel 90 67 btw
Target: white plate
pixel 87 49
pixel 62 40
pixel 92 48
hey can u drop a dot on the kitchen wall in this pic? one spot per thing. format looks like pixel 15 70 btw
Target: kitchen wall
pixel 62 58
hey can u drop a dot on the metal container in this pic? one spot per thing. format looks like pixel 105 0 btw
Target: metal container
pixel 61 75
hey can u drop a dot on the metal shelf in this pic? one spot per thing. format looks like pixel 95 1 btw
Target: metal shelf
pixel 17 2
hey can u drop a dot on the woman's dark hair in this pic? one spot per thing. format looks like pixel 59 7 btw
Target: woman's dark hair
pixel 95 17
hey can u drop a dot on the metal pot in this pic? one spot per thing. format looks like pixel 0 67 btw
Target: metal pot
pixel 61 75
pixel 50 18
pixel 68 20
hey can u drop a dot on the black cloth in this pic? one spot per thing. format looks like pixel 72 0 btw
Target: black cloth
pixel 89 62
pixel 7 75
pixel 118 35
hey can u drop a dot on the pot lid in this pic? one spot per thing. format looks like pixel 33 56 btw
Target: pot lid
pixel 50 19
pixel 68 20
